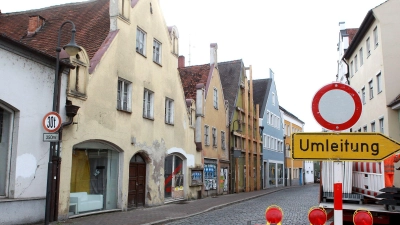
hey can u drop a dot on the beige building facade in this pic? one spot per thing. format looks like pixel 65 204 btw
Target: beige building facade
pixel 373 70
pixel 131 145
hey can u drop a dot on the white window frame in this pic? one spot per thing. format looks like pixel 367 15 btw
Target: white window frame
pixel 368 44
pixel 148 104
pixel 214 137
pixel 351 68
pixel 141 43
pixel 381 125
pixel 355 64
pixel 223 143
pixel 371 89
pixel 265 140
pixel 215 98
pixel 124 93
pixel 373 127
pixel 8 150
pixel 361 56
pixel 379 82
pixel 206 135
pixel 365 128
pixel 376 39
pixel 157 51
pixel 169 111
pixel 363 95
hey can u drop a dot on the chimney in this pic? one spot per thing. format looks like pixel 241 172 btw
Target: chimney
pixel 181 61
pixel 35 23
pixel 342 26
pixel 213 54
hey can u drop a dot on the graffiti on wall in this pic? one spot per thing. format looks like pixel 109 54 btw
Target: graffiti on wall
pixel 210 176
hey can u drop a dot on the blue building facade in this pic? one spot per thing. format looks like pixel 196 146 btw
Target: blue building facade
pixel 266 95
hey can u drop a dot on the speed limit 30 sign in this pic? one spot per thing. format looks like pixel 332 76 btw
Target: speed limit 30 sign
pixel 51 122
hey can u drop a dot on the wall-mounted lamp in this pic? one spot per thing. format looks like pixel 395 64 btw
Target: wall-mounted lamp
pixel 239 126
pixel 261 130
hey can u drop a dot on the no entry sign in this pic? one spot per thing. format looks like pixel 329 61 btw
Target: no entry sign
pixel 336 106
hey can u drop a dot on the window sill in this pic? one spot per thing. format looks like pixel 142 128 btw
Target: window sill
pixel 141 54
pixel 148 118
pixel 157 63
pixel 125 111
pixel 171 124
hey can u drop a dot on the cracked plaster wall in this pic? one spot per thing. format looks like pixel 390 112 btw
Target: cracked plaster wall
pixel 28 162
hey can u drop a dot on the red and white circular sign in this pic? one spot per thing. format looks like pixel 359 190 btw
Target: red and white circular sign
pixel 51 122
pixel 336 106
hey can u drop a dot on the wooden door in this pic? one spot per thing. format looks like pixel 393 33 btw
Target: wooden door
pixel 137 183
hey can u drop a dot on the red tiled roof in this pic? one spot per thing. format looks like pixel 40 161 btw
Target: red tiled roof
pixel 91 19
pixel 191 76
pixel 351 32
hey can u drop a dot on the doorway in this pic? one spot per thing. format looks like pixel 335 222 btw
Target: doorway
pixel 137 182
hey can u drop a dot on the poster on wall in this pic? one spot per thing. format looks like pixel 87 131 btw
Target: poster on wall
pixel 223 179
pixel 210 176
pixel 197 178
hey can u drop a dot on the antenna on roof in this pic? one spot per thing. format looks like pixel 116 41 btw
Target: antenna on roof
pixel 189 51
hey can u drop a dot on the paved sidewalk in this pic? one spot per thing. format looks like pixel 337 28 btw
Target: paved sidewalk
pixel 166 213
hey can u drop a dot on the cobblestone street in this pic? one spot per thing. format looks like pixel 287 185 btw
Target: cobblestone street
pixel 295 203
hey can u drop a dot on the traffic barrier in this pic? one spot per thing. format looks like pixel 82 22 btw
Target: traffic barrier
pixel 362 217
pixel 317 215
pixel 274 215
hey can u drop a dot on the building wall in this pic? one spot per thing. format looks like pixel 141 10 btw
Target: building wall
pixel 381 61
pixel 28 92
pixel 129 132
pixel 215 118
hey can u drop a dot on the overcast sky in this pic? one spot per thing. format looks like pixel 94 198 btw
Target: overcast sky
pixel 296 39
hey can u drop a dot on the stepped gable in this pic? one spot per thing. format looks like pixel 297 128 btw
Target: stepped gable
pixel 191 76
pixel 230 73
pixel 91 19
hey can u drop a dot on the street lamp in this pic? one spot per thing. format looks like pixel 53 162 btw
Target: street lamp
pixel 72 49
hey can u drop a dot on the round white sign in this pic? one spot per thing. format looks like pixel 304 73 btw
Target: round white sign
pixel 51 122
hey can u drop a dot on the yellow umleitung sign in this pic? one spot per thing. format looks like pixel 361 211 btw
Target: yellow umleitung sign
pixel 343 146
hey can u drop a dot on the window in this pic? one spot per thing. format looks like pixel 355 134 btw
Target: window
pixel 206 135
pixel 223 140
pixel 355 64
pixel 214 136
pixel 273 98
pixel 265 142
pixel 373 126
pixel 215 98
pixel 363 95
pixel 174 172
pixel 361 57
pixel 269 142
pixel 94 166
pixel 371 89
pixel 381 125
pixel 124 95
pixel 368 47
pixel 6 121
pixel 376 36
pixel 148 100
pixel 365 129
pixel 351 68
pixel 379 82
pixel 169 111
pixel 267 116
pixel 140 41
pixel 156 51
